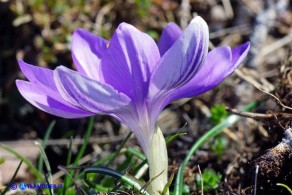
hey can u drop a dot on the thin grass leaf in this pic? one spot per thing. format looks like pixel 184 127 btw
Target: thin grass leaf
pixel 12 179
pixel 48 167
pixel 83 147
pixel 172 137
pixel 45 158
pixel 166 187
pixel 117 187
pixel 151 180
pixel 103 160
pixel 115 154
pixel 229 121
pixel 50 190
pixel 285 186
pixel 113 173
pixel 68 162
pixel 119 149
pixel 125 167
pixel 127 163
pixel 85 143
pixel 25 160
pixel 139 166
pixel 77 189
pixel 136 153
pixel 140 156
pixel 97 163
pixel 44 144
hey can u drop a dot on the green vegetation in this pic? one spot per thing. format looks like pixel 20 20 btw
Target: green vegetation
pixel 210 180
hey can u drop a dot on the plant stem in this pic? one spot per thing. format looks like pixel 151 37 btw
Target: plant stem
pixel 158 164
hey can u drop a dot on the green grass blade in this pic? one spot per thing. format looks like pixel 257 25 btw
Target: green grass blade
pixel 114 156
pixel 85 143
pixel 97 163
pixel 68 162
pixel 285 186
pixel 113 173
pixel 103 160
pixel 47 136
pixel 25 160
pixel 139 166
pixel 119 149
pixel 172 137
pixel 166 187
pixel 12 179
pixel 48 167
pixel 47 181
pixel 229 121
pixel 137 153
pixel 83 147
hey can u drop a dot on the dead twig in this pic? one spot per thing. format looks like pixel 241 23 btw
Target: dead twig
pixel 263 117
pixel 276 98
pixel 202 182
pixel 259 116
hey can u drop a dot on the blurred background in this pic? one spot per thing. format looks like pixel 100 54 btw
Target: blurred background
pixel 39 32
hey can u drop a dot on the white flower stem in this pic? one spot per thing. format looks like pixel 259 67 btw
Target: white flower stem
pixel 158 163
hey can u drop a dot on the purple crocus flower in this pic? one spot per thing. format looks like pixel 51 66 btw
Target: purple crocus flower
pixel 131 77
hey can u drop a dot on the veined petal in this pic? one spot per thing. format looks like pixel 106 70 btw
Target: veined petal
pixel 37 96
pixel 168 37
pixel 220 63
pixel 129 60
pixel 239 53
pixel 43 77
pixel 142 133
pixel 39 75
pixel 87 50
pixel 182 61
pixel 87 93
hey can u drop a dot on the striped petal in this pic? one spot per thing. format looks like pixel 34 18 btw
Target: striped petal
pixel 44 78
pixel 168 37
pixel 182 61
pixel 39 75
pixel 87 50
pixel 129 60
pixel 87 93
pixel 220 63
pixel 40 98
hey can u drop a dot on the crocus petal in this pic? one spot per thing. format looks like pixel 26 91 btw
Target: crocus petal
pixel 35 95
pixel 87 50
pixel 220 63
pixel 139 128
pixel 87 93
pixel 169 35
pixel 39 75
pixel 129 60
pixel 239 53
pixel 44 78
pixel 182 61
